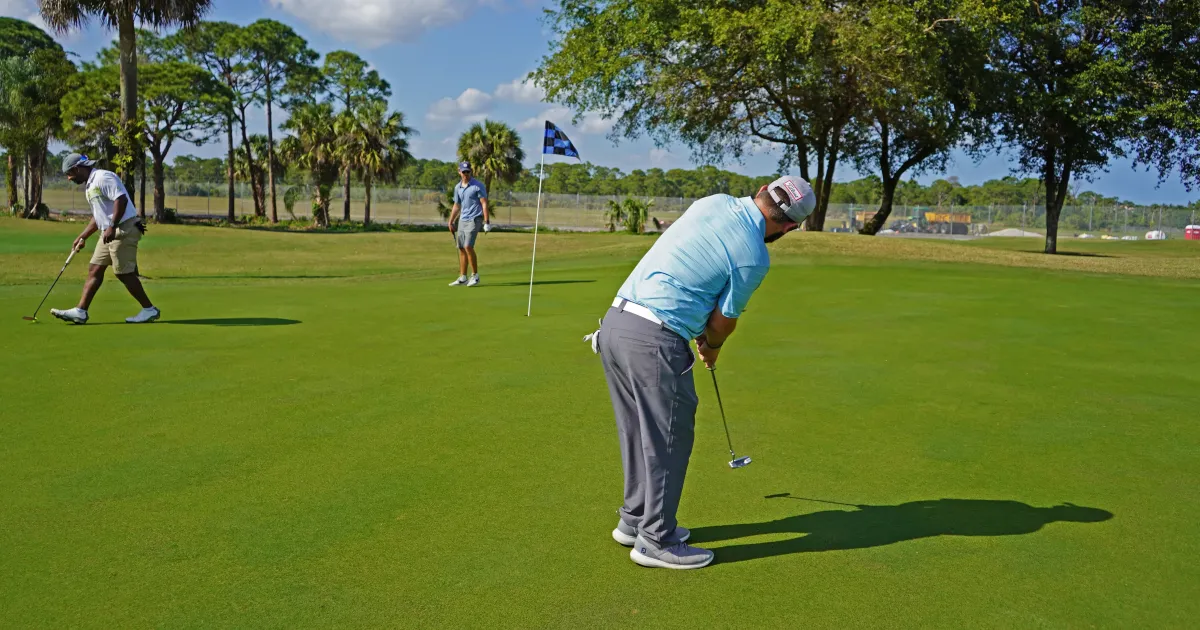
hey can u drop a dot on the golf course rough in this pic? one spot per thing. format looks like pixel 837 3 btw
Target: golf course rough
pixel 321 433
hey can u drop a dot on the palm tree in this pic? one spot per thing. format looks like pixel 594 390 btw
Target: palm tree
pixel 123 15
pixel 494 151
pixel 374 144
pixel 314 147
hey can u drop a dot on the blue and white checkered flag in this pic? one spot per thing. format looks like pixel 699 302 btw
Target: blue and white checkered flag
pixel 557 143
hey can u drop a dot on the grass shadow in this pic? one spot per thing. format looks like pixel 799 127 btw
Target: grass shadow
pixel 1062 253
pixel 536 283
pixel 247 277
pixel 234 321
pixel 867 526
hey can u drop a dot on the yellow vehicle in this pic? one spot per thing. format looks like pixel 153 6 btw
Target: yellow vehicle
pixel 948 222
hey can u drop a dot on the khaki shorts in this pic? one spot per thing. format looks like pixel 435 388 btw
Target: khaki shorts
pixel 121 253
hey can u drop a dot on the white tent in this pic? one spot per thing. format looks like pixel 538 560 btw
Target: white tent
pixel 1156 235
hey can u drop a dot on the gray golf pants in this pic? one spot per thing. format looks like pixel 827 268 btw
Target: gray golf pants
pixel 649 371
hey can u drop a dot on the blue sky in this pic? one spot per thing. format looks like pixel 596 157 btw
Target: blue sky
pixel 452 62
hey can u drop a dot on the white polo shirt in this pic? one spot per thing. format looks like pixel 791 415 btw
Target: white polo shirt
pixel 102 190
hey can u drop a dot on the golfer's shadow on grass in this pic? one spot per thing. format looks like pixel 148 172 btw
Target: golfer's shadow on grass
pixel 877 525
pixel 234 321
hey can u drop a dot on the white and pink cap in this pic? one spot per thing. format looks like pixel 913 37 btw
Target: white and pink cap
pixel 798 201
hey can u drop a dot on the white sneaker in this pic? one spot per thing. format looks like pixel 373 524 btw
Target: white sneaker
pixel 473 281
pixel 144 316
pixel 458 283
pixel 74 315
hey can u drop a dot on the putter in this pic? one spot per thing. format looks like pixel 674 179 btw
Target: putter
pixel 33 318
pixel 735 462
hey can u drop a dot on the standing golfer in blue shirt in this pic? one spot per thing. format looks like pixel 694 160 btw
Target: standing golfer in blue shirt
pixel 470 212
pixel 693 284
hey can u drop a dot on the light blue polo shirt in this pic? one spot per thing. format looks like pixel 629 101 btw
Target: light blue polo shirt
pixel 714 255
pixel 468 199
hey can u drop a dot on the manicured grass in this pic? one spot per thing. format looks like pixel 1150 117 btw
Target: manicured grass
pixel 321 433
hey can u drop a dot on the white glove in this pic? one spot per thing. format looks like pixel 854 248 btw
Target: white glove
pixel 487 227
pixel 594 338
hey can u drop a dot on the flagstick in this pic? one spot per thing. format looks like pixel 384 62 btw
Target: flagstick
pixel 536 220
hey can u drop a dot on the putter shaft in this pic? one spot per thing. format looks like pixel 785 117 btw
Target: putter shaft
pixel 721 406
pixel 52 285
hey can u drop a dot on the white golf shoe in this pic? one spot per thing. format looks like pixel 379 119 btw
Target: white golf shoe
pixel 74 315
pixel 474 281
pixel 144 316
pixel 458 283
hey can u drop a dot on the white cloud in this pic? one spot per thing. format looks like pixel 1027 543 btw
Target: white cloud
pixel 374 23
pixel 659 157
pixel 471 106
pixel 590 124
pixel 520 90
pixel 594 124
pixel 557 115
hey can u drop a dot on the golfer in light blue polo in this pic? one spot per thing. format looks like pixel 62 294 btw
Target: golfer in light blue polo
pixel 470 212
pixel 692 285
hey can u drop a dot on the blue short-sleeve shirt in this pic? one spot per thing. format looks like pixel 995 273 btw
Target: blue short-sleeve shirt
pixel 469 199
pixel 713 256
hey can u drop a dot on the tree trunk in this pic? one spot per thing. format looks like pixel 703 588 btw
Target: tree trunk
pixel 142 189
pixel 37 165
pixel 872 227
pixel 1056 194
pixel 322 218
pixel 25 186
pixel 271 154
pixel 346 198
pixel 229 170
pixel 10 182
pixel 367 205
pixel 251 169
pixel 127 35
pixel 160 190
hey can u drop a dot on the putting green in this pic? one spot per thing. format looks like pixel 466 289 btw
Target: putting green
pixel 322 433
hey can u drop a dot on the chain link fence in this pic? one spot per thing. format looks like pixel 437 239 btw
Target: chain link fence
pixel 587 212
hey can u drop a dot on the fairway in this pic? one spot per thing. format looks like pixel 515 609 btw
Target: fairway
pixel 321 433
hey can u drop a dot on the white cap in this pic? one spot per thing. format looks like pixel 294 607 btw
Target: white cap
pixel 797 200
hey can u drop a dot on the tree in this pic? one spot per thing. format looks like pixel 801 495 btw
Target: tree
pixel 494 151
pixel 922 71
pixel 348 82
pixel 218 47
pixel 1080 83
pixel 313 146
pixel 630 214
pixel 190 168
pixel 33 80
pixel 719 77
pixel 123 15
pixel 1165 56
pixel 19 38
pixel 374 144
pixel 276 52
pixel 180 102
pixel 249 170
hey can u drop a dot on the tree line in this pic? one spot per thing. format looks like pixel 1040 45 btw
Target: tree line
pixel 892 87
pixel 589 179
pixel 194 86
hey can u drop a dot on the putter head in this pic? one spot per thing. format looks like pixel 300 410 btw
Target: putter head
pixel 739 462
pixel 29 319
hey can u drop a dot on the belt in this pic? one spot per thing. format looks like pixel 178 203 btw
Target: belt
pixel 626 306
